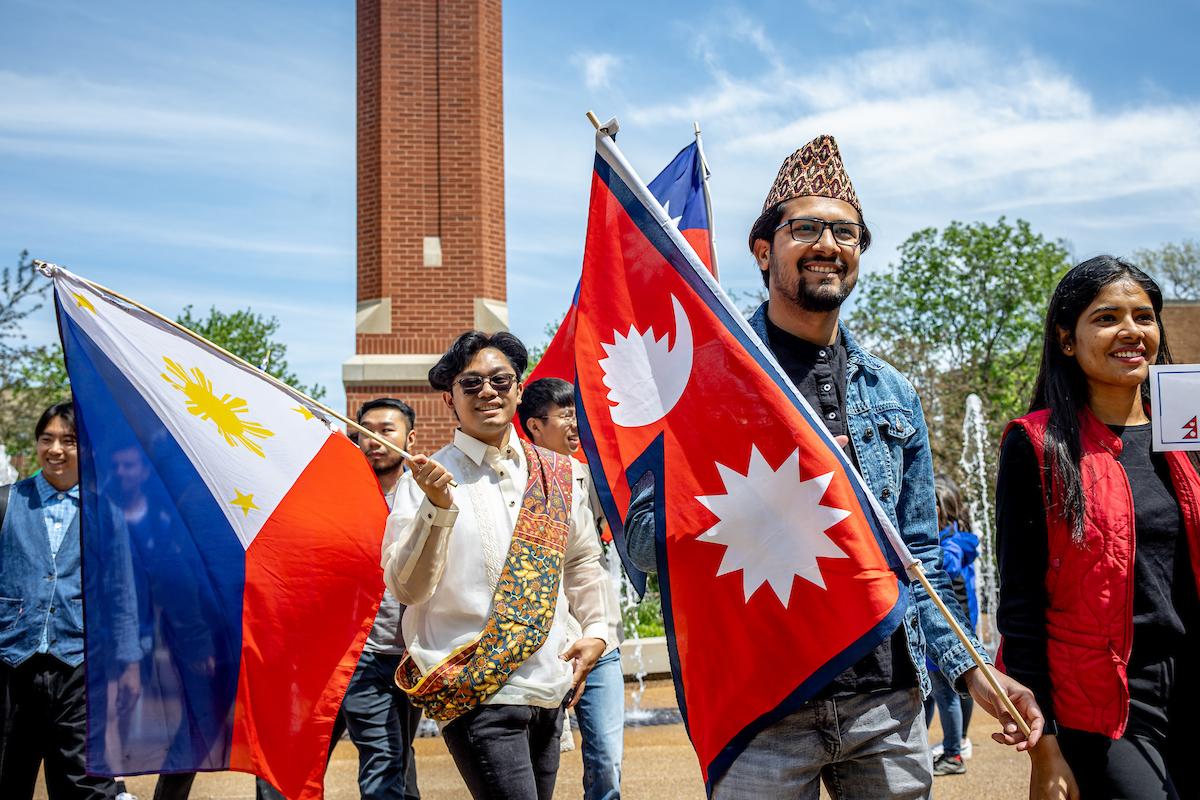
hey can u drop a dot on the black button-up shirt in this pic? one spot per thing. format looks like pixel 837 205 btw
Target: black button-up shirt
pixel 819 372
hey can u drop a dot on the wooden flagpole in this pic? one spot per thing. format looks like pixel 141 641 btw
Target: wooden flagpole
pixel 48 269
pixel 712 226
pixel 916 570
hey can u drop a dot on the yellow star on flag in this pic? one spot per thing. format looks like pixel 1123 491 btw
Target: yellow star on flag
pixel 83 302
pixel 304 412
pixel 243 501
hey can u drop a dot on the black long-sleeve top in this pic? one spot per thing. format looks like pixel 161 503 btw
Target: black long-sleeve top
pixel 1164 596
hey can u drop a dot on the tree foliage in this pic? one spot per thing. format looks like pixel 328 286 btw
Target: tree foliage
pixel 31 376
pixel 962 312
pixel 1176 266
pixel 249 336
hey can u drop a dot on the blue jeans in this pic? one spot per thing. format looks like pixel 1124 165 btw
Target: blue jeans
pixel 865 745
pixel 949 706
pixel 601 714
pixel 382 724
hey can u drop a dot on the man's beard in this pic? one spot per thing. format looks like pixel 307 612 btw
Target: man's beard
pixel 809 298
pixel 384 467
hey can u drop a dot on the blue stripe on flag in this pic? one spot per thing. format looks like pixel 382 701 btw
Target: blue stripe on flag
pixel 188 569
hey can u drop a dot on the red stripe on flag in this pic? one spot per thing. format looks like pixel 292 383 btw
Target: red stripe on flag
pixel 701 242
pixel 313 587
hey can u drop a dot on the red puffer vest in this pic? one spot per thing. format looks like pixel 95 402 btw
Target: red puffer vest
pixel 1089 619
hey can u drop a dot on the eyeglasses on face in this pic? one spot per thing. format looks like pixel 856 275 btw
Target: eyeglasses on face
pixel 473 384
pixel 566 416
pixel 807 230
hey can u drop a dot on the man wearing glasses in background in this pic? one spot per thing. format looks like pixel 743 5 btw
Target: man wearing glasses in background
pixel 489 568
pixel 863 734
pixel 547 413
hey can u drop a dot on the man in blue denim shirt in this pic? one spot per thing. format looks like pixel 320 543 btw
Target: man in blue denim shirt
pixel 864 735
pixel 42 682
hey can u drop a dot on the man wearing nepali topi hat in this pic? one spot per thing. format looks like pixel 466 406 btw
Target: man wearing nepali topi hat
pixel 863 735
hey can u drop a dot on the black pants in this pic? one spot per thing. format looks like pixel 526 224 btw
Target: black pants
pixel 1156 758
pixel 507 752
pixel 45 720
pixel 177 786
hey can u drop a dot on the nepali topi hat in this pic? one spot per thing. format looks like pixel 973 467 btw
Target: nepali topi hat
pixel 814 169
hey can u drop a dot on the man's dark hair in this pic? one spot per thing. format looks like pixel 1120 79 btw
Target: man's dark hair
pixel 64 410
pixel 455 360
pixel 764 228
pixel 389 402
pixel 539 396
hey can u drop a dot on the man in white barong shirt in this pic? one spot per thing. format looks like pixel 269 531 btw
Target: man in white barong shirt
pixel 443 553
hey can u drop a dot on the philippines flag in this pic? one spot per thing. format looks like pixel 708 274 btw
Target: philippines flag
pixel 254 532
pixel 777 569
pixel 682 190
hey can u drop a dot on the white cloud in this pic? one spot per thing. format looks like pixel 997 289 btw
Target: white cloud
pixel 938 130
pixel 77 118
pixel 597 69
pixel 945 124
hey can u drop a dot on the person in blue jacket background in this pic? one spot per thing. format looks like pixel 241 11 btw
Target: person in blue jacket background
pixel 960 548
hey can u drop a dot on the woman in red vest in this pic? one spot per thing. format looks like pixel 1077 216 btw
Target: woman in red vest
pixel 1098 548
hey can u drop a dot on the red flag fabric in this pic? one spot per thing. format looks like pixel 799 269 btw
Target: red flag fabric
pixel 680 188
pixel 775 568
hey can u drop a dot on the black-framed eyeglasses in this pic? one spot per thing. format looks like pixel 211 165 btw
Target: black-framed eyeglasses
pixel 566 416
pixel 807 230
pixel 473 384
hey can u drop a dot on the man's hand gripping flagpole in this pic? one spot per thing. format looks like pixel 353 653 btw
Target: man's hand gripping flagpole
pixel 989 688
pixel 48 269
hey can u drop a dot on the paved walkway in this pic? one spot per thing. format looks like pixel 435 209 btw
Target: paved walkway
pixel 659 763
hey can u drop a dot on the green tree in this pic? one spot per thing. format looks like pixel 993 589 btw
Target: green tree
pixel 250 336
pixel 31 377
pixel 1176 267
pixel 538 350
pixel 962 312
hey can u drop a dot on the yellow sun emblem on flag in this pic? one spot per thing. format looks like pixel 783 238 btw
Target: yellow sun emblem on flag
pixel 224 411
pixel 83 302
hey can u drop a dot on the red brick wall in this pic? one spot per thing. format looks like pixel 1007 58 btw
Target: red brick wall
pixel 1181 320
pixel 430 163
pixel 435 426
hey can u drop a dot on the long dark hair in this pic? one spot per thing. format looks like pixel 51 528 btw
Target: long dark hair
pixel 1063 388
pixel 950 502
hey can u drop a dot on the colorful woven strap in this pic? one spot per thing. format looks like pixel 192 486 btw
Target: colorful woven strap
pixel 523 605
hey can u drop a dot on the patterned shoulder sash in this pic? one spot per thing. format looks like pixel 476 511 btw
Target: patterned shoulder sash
pixel 522 607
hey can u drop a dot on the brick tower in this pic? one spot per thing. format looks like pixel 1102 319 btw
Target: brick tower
pixel 430 196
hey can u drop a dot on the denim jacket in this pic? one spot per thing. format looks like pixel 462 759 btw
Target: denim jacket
pixel 891 443
pixel 39 591
pixel 43 592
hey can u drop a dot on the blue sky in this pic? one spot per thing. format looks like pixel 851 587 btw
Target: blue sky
pixel 204 152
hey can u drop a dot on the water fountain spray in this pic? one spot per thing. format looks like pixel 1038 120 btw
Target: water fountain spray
pixel 8 473
pixel 978 489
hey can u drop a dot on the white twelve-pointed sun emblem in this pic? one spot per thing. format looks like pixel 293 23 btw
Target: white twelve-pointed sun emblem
pixel 773 525
pixel 644 377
